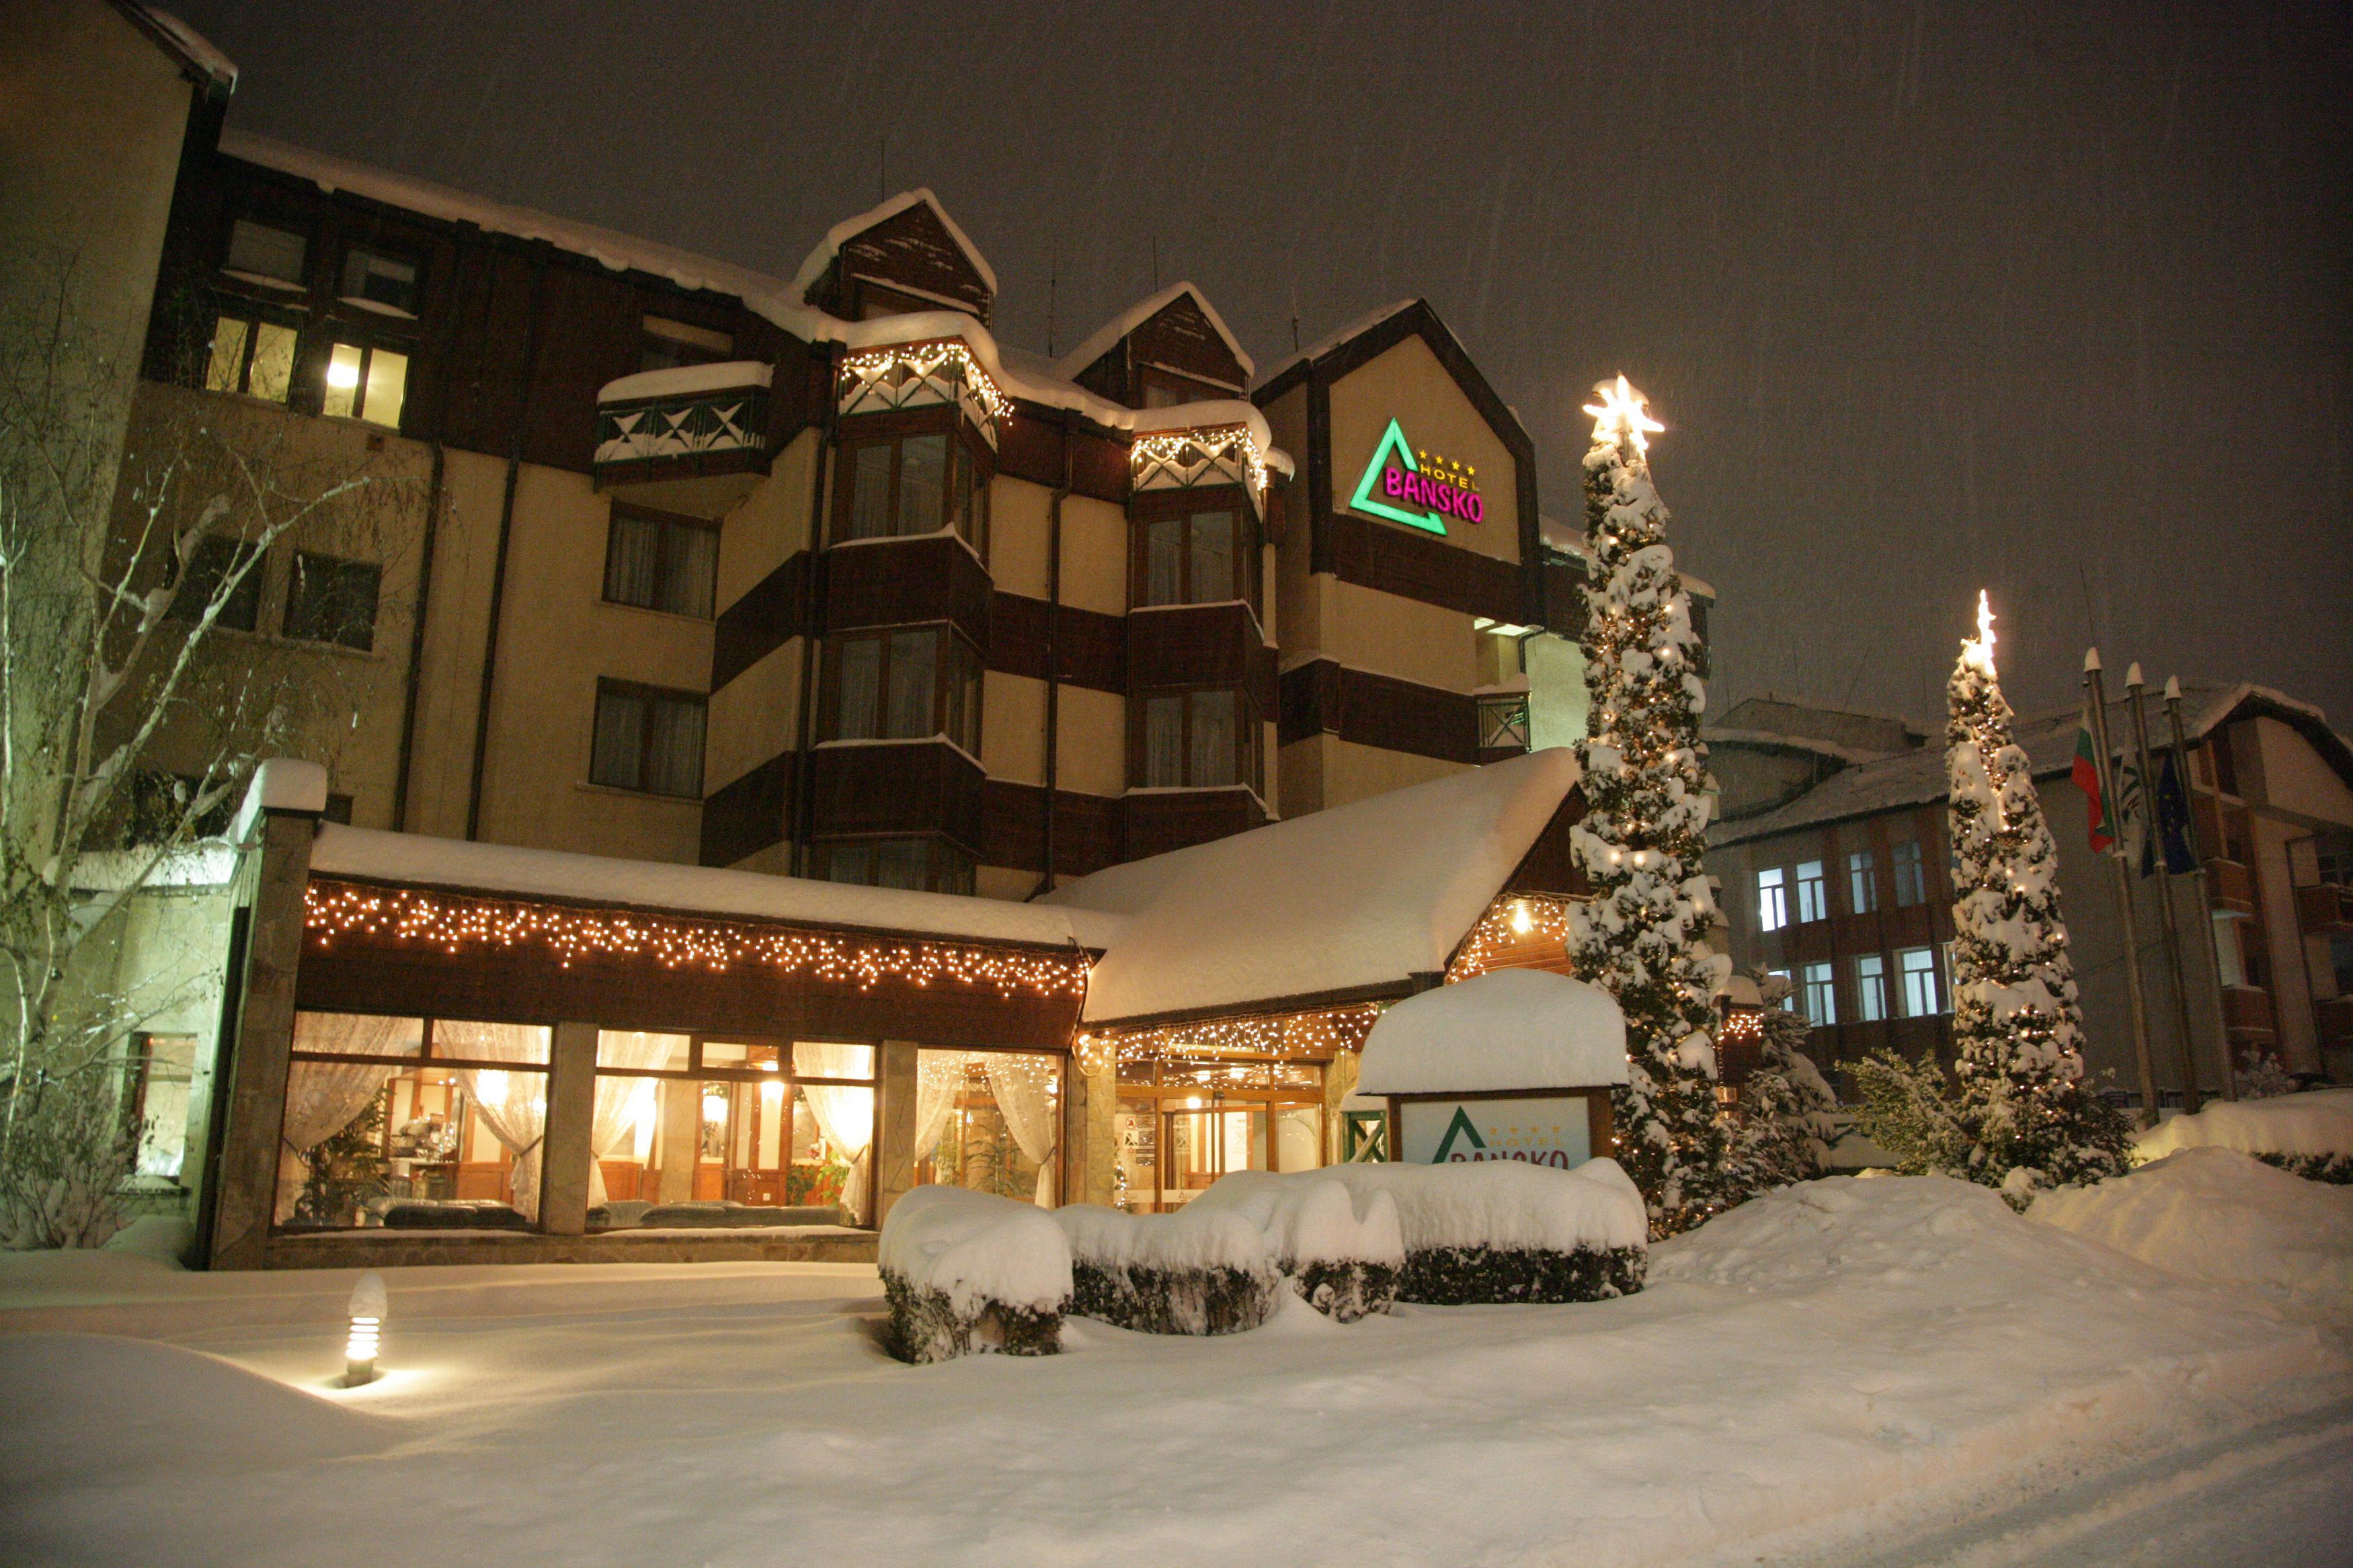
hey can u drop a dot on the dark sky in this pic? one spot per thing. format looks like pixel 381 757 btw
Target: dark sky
pixel 2056 300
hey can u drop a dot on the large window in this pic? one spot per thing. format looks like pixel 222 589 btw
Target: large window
pixel 1871 987
pixel 332 601
pixel 1813 892
pixel 412 1123
pixel 925 864
pixel 990 1120
pixel 665 344
pixel 1915 968
pixel 1818 984
pixel 693 1132
pixel 647 739
pixel 904 485
pixel 365 382
pixel 904 684
pixel 659 562
pixel 210 565
pixel 1910 875
pixel 252 355
pixel 1862 882
pixel 265 254
pixel 1197 740
pixel 376 281
pixel 155 1100
pixel 1201 557
pixel 1772 900
pixel 1181 1124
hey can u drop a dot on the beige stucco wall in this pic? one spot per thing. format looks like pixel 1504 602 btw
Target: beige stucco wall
pixel 2296 778
pixel 753 717
pixel 1407 384
pixel 1367 629
pixel 1558 701
pixel 1325 771
pixel 1019 529
pixel 1013 727
pixel 768 525
pixel 1094 555
pixel 1091 751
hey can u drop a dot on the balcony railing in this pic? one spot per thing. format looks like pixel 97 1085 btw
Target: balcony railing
pixel 1503 722
pixel 689 412
pixel 1181 460
pixel 2247 1011
pixel 2228 885
pixel 2324 907
pixel 917 376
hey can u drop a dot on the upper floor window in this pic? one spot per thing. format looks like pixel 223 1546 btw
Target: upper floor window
pixel 1862 882
pixel 904 485
pixel 365 382
pixel 658 561
pixel 1818 984
pixel 210 565
pixel 1788 1002
pixel 1772 900
pixel 1915 968
pixel 1193 558
pixel 376 281
pixel 1813 892
pixel 332 601
pixel 665 344
pixel 265 254
pixel 1198 740
pixel 252 357
pixel 647 739
pixel 1910 875
pixel 906 684
pixel 1871 987
pixel 926 865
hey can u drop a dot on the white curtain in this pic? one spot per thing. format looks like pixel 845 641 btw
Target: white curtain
pixel 620 1051
pixel 939 1078
pixel 321 1098
pixel 512 1105
pixel 1023 1086
pixel 846 1116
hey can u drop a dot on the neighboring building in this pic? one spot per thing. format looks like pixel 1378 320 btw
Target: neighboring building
pixel 1836 871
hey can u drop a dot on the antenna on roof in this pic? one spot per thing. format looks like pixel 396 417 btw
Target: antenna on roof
pixel 1155 264
pixel 1053 277
pixel 1295 318
pixel 883 172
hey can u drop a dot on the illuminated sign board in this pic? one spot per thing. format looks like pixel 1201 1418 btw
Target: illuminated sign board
pixel 1415 488
pixel 1554 1130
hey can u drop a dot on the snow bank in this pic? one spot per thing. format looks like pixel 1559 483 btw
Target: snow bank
pixel 1508 1205
pixel 2222 1216
pixel 1508 1029
pixel 966 1272
pixel 1197 1271
pixel 2310 1133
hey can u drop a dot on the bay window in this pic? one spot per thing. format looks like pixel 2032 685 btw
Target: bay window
pixel 1203 555
pixel 923 864
pixel 902 486
pixel 1197 740
pixel 906 683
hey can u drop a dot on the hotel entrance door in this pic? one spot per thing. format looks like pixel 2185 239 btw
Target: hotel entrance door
pixel 1182 1124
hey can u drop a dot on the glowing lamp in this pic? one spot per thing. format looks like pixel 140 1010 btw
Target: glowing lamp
pixel 342 375
pixel 714 1107
pixel 1521 922
pixel 368 1315
pixel 1623 415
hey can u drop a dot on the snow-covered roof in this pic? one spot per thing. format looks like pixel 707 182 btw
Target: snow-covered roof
pixel 193 49
pixel 1135 316
pixel 1351 898
pixel 1355 329
pixel 1508 1029
pixel 813 265
pixel 620 252
pixel 680 381
pixel 412 859
pixel 1917 778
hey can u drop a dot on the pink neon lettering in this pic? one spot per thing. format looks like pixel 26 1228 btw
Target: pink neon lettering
pixel 1478 510
pixel 1392 483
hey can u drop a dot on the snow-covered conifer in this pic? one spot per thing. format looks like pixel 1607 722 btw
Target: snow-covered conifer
pixel 1786 1107
pixel 1641 840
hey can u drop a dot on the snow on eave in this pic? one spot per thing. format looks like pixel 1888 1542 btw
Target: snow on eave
pixel 415 860
pixel 813 265
pixel 608 248
pixel 682 381
pixel 192 50
pixel 1355 329
pixel 1855 754
pixel 1135 316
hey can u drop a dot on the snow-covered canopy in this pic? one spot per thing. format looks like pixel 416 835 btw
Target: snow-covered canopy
pixel 1359 896
pixel 1508 1029
pixel 1135 316
pixel 415 861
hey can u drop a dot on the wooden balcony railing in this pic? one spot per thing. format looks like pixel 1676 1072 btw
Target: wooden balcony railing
pixel 2247 1011
pixel 680 420
pixel 2324 907
pixel 2230 886
pixel 1503 722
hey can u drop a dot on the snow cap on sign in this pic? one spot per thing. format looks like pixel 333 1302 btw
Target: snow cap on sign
pixel 1505 1029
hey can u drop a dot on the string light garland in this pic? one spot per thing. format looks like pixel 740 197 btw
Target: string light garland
pixel 866 369
pixel 1511 924
pixel 340 910
pixel 1167 449
pixel 1283 1037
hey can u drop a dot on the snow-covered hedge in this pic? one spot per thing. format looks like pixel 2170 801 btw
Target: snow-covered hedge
pixel 2308 1134
pixel 1342 1250
pixel 1197 1271
pixel 966 1272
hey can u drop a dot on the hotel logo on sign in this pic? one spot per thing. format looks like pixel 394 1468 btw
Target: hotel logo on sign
pixel 1534 1130
pixel 1419 489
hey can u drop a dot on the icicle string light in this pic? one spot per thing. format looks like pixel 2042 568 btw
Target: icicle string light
pixel 333 911
pixel 1291 1034
pixel 923 361
pixel 1169 448
pixel 1511 924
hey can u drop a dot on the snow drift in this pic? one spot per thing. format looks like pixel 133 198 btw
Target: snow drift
pixel 2310 1133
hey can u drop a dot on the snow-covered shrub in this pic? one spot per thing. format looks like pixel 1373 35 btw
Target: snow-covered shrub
pixel 1197 1271
pixel 1503 1231
pixel 1343 1250
pixel 2261 1078
pixel 2309 1135
pixel 68 1161
pixel 966 1272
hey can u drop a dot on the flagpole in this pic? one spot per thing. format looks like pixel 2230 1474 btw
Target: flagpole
pixel 2198 884
pixel 2104 762
pixel 2151 809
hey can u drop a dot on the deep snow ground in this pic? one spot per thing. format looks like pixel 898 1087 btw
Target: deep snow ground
pixel 1843 1363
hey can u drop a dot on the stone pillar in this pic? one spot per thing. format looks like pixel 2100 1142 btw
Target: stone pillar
pixel 1339 1080
pixel 894 1162
pixel 565 1148
pixel 276 826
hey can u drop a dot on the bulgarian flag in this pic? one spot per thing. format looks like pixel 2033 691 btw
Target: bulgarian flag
pixel 2087 779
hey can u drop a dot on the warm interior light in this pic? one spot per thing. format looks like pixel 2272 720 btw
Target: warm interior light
pixel 714 1107
pixel 342 375
pixel 490 1085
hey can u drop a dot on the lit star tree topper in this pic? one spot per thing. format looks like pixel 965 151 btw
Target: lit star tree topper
pixel 1641 841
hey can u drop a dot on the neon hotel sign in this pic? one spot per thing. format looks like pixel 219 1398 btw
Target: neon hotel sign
pixel 1398 487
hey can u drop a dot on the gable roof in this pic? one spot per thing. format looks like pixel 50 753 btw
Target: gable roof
pixel 1345 901
pixel 213 73
pixel 813 265
pixel 1108 335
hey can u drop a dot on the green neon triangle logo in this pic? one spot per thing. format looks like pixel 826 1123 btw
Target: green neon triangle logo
pixel 1459 1128
pixel 1368 499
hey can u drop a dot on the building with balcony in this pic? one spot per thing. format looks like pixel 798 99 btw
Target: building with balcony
pixel 1833 853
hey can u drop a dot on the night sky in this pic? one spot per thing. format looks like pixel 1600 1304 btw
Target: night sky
pixel 2053 300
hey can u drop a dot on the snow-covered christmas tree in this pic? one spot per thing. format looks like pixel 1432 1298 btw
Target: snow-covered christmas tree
pixel 2026 1115
pixel 1785 1124
pixel 1641 841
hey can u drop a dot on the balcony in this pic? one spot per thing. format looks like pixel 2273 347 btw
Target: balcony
pixel 1503 725
pixel 1187 459
pixel 2323 907
pixel 921 375
pixel 694 439
pixel 2247 1012
pixel 2332 1020
pixel 2230 886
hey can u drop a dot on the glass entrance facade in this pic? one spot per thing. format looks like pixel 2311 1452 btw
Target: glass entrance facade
pixel 1184 1122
